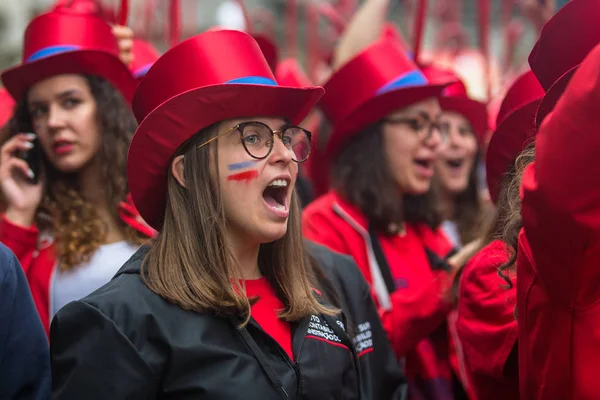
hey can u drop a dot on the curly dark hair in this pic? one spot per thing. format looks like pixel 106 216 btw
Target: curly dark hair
pixel 362 176
pixel 77 228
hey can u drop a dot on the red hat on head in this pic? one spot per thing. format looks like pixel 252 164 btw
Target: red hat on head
pixel 290 73
pixel 144 55
pixel 515 128
pixel 191 87
pixel 376 82
pixel 564 42
pixel 7 105
pixel 68 41
pixel 455 98
pixel 268 48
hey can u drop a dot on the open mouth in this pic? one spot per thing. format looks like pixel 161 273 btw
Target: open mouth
pixel 423 163
pixel 455 163
pixel 275 195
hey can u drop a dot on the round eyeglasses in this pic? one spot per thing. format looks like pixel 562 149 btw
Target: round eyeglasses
pixel 258 139
pixel 423 127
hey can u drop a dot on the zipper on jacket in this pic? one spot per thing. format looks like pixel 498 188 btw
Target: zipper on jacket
pixel 262 359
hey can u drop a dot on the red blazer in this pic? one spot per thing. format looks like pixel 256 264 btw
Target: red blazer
pixel 559 249
pixel 38 259
pixel 415 315
pixel 487 327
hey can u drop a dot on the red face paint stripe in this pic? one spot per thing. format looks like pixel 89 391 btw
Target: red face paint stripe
pixel 243 176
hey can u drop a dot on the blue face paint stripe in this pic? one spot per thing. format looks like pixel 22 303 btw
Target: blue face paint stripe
pixel 412 78
pixel 50 51
pixel 241 165
pixel 255 80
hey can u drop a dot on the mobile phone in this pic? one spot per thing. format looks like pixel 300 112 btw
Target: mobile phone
pixel 33 157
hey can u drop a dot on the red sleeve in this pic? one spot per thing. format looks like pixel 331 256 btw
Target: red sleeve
pixel 21 240
pixel 318 227
pixel 412 319
pixel 486 323
pixel 561 194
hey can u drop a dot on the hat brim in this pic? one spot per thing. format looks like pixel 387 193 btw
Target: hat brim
pixel 510 138
pixel 374 110
pixel 553 95
pixel 178 119
pixel 474 111
pixel 88 62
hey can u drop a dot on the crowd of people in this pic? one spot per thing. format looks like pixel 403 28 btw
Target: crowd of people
pixel 166 236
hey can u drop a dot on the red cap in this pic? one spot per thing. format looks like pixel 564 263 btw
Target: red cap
pixel 565 40
pixel 191 87
pixel 290 73
pixel 376 82
pixel 144 55
pixel 68 41
pixel 455 98
pixel 268 48
pixel 515 129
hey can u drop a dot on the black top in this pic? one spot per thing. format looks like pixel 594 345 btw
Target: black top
pixel 381 375
pixel 125 342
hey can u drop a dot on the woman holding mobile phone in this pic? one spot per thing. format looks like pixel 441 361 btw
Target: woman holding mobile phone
pixel 67 218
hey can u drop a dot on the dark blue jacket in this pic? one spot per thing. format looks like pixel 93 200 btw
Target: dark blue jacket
pixel 24 353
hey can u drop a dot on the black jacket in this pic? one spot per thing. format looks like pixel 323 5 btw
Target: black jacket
pixel 381 376
pixel 125 342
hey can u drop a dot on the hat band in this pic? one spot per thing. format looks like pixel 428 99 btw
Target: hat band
pixel 254 80
pixel 51 50
pixel 141 71
pixel 412 78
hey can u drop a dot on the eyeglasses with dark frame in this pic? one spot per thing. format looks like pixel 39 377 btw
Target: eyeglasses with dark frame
pixel 258 139
pixel 424 127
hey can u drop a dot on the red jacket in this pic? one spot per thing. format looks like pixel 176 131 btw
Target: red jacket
pixel 414 316
pixel 559 249
pixel 37 257
pixel 487 327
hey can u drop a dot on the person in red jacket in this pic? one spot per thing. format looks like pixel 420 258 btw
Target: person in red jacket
pixel 383 145
pixel 62 173
pixel 558 252
pixel 486 323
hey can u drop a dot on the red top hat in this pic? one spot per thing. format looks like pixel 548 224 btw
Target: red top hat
pixel 290 73
pixel 68 41
pixel 144 55
pixel 564 42
pixel 515 128
pixel 455 98
pixel 376 82
pixel 191 87
pixel 6 106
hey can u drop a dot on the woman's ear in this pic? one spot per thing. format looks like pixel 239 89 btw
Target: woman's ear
pixel 177 170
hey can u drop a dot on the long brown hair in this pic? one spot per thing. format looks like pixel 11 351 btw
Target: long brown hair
pixel 470 212
pixel 74 222
pixel 361 175
pixel 191 264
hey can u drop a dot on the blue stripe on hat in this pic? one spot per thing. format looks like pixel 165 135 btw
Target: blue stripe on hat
pixel 412 78
pixel 52 50
pixel 255 80
pixel 138 73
